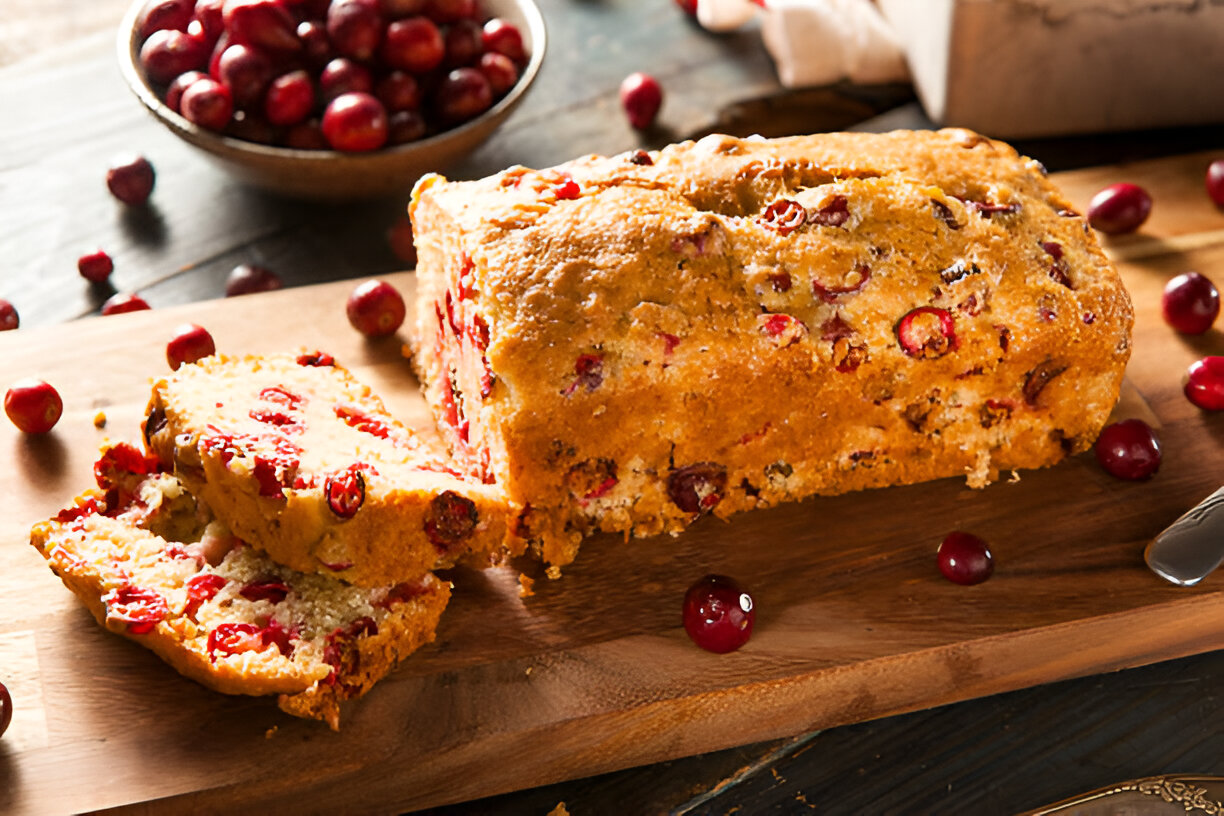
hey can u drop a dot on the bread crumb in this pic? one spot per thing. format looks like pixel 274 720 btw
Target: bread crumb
pixel 100 419
pixel 559 810
pixel 526 586
pixel 553 572
pixel 528 672
pixel 1015 477
pixel 271 732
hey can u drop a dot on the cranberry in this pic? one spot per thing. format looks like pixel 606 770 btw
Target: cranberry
pixel 95 267
pixel 167 53
pixel 9 319
pixel 316 46
pixel 833 214
pixel 174 92
pixel 208 104
pixel 120 302
pixel 1190 303
pixel 375 308
pixel 400 238
pixel 210 15
pixel 1119 208
pixel 964 558
pixel 452 519
pixel 307 135
pixel 130 179
pixel 245 279
pixel 501 72
pixel 247 72
pixel 316 359
pixel 927 332
pixel 697 488
pixel 202 588
pixel 345 492
pixel 414 45
pixel 6 709
pixel 463 94
pixel 689 7
pixel 355 122
pixel 1205 383
pixel 718 614
pixel 34 406
pixel 189 343
pixel 450 11
pixel 398 91
pixel 265 590
pixel 290 98
pixel 398 9
pixel 264 23
pixel 138 608
pixel 159 14
pixel 463 44
pixel 641 96
pixel 405 126
pixel 355 28
pixel 341 76
pixel 783 216
pixel 1128 450
pixel 234 638
pixel 1215 182
pixel 588 371
pixel 503 37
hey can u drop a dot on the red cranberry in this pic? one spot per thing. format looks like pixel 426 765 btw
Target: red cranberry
pixel 355 122
pixel 689 7
pixel 1119 208
pixel 1215 182
pixel 783 216
pixel 209 14
pixel 375 308
pixel 927 332
pixel 718 614
pixel 307 135
pixel 452 519
pixel 263 23
pixel 398 91
pixel 341 76
pixel 290 98
pixel 405 126
pixel 1128 450
pixel 964 558
pixel 503 37
pixel 500 70
pixel 463 44
pixel 398 9
pixel 95 267
pixel 463 94
pixel 130 179
pixel 355 28
pixel 164 14
pixel 697 488
pixel 251 127
pixel 414 45
pixel 316 46
pixel 119 303
pixel 34 406
pixel 247 72
pixel 167 53
pixel 174 92
pixel 208 103
pixel 345 493
pixel 189 344
pixel 6 709
pixel 1205 383
pixel 641 96
pixel 1190 303
pixel 401 240
pixel 245 279
pixel 444 12
pixel 8 316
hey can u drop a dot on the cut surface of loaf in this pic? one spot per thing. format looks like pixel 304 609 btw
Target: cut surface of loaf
pixel 152 565
pixel 304 462
pixel 628 343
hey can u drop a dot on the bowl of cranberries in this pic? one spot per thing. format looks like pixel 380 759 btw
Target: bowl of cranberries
pixel 331 99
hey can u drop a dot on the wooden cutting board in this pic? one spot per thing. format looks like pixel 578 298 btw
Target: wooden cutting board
pixel 594 672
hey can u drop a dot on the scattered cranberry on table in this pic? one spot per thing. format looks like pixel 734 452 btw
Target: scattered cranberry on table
pixel 130 179
pixel 33 405
pixel 1190 303
pixel 246 279
pixel 718 614
pixel 375 308
pixel 121 302
pixel 1129 450
pixel 1205 383
pixel 1119 208
pixel 1215 182
pixel 189 343
pixel 964 559
pixel 641 96
pixel 95 267
pixel 6 709
pixel 9 319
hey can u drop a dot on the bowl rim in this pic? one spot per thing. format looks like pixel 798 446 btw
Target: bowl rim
pixel 134 78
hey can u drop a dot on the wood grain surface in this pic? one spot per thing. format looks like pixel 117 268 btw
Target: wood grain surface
pixel 594 673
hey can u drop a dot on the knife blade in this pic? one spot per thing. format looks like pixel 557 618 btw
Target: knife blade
pixel 1149 796
pixel 1192 546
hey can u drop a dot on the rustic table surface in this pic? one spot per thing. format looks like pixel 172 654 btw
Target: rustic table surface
pixel 64 112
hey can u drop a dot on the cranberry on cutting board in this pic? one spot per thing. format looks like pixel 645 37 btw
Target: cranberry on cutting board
pixel 718 614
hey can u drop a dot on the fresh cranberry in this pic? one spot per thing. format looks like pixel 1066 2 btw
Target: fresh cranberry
pixel 130 179
pixel 9 319
pixel 355 122
pixel 346 492
pixel 34 406
pixel 927 332
pixel 414 45
pixel 210 15
pixel 398 91
pixel 400 238
pixel 307 135
pixel 121 302
pixel 398 9
pixel 1128 450
pixel 1119 208
pixel 343 75
pixel 375 308
pixel 208 104
pixel 138 608
pixel 697 488
pixel 316 46
pixel 246 279
pixel 405 126
pixel 1190 303
pixel 503 37
pixel 247 72
pixel 500 70
pixel 355 28
pixel 1205 383
pixel 964 558
pixel 167 53
pixel 1215 182
pixel 463 94
pixel 641 96
pixel 463 44
pixel 263 23
pixel 6 709
pixel 718 614
pixel 452 519
pixel 174 92
pixel 164 14
pixel 445 12
pixel 188 344
pixel 289 99
pixel 95 267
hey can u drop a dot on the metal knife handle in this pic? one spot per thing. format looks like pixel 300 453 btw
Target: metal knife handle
pixel 1151 796
pixel 1192 546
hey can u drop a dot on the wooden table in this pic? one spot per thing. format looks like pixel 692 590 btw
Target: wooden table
pixel 64 112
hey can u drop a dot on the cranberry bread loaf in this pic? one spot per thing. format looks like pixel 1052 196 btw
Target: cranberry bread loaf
pixel 151 565
pixel 627 343
pixel 304 462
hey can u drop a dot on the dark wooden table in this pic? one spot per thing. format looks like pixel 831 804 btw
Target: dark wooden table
pixel 64 112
